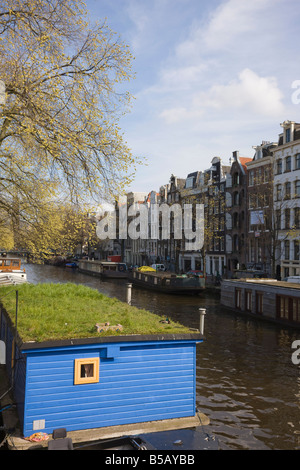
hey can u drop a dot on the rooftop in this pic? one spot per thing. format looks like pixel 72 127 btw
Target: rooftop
pixel 269 282
pixel 51 312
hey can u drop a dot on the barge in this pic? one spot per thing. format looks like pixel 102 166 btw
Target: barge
pixel 268 299
pixel 104 269
pixel 168 283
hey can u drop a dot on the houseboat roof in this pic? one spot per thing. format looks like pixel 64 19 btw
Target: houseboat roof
pixel 71 312
pixel 268 282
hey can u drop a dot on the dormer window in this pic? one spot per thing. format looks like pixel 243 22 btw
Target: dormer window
pixel 288 135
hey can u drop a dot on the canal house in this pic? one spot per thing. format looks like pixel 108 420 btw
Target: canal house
pixel 100 381
pixel 278 301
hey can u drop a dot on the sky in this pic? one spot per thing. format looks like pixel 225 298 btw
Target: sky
pixel 211 77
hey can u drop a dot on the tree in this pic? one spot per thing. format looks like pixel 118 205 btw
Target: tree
pixel 58 231
pixel 59 131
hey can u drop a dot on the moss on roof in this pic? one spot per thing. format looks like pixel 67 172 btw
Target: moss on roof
pixel 63 311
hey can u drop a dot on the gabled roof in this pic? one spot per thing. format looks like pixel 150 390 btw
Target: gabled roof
pixel 243 161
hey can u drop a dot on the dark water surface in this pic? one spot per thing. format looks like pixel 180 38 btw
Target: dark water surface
pixel 246 381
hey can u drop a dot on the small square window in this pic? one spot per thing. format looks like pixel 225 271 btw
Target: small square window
pixel 86 371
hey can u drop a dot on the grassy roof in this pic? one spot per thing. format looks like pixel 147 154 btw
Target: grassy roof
pixel 63 311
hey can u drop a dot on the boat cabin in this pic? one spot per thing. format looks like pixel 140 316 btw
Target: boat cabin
pixel 276 301
pixel 110 269
pixel 10 264
pixel 99 380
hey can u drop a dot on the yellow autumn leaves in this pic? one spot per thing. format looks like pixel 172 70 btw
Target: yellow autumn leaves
pixel 59 131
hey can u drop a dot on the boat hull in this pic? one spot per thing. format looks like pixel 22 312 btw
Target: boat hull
pixel 169 284
pixel 114 274
pixel 12 278
pixel 11 272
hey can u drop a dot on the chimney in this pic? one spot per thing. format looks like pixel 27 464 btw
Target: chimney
pixel 235 155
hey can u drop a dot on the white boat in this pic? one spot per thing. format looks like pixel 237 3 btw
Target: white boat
pixel 11 271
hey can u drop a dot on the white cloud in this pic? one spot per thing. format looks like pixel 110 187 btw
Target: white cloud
pixel 257 94
pixel 250 94
pixel 180 114
pixel 182 77
pixel 231 19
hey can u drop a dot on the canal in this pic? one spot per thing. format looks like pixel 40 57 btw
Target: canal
pixel 246 381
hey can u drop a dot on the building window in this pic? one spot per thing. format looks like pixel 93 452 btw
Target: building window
pixel 297 188
pixel 86 371
pixel 296 310
pixel 236 199
pixel 297 161
pixel 287 249
pixel 288 164
pixel 251 177
pixel 279 166
pixel 253 200
pixel 259 302
pixel 236 179
pixel 235 220
pixel 238 298
pixel 235 243
pixel 287 190
pixel 288 308
pixel 278 192
pixel 222 244
pixel 297 217
pixel 252 250
pixel 287 218
pixel 296 250
pixel 284 308
pixel 248 301
pixel 278 219
pixel 286 272
pixel 288 135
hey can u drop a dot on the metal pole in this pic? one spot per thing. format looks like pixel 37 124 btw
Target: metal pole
pixel 128 293
pixel 14 349
pixel 202 312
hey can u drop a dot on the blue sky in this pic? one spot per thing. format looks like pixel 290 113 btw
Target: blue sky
pixel 212 77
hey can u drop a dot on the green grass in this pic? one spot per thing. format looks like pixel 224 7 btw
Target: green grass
pixel 64 311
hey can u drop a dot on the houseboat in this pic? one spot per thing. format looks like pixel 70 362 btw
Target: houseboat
pixel 269 299
pixel 104 269
pixel 11 271
pixel 168 283
pixel 99 386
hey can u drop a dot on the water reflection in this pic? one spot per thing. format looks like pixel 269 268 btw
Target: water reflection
pixel 245 380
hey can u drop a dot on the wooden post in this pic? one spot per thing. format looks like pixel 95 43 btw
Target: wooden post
pixel 128 293
pixel 202 312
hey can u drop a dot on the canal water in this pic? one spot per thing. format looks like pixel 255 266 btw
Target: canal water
pixel 246 381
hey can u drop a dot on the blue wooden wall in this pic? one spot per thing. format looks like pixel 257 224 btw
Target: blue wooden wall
pixel 139 381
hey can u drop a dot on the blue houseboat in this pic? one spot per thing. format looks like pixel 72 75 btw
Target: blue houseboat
pixel 102 382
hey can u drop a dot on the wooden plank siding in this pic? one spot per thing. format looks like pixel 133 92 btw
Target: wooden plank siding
pixel 138 382
pixel 270 300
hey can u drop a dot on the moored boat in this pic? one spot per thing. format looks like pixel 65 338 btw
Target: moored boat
pixel 11 271
pixel 112 269
pixel 169 283
pixel 105 269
